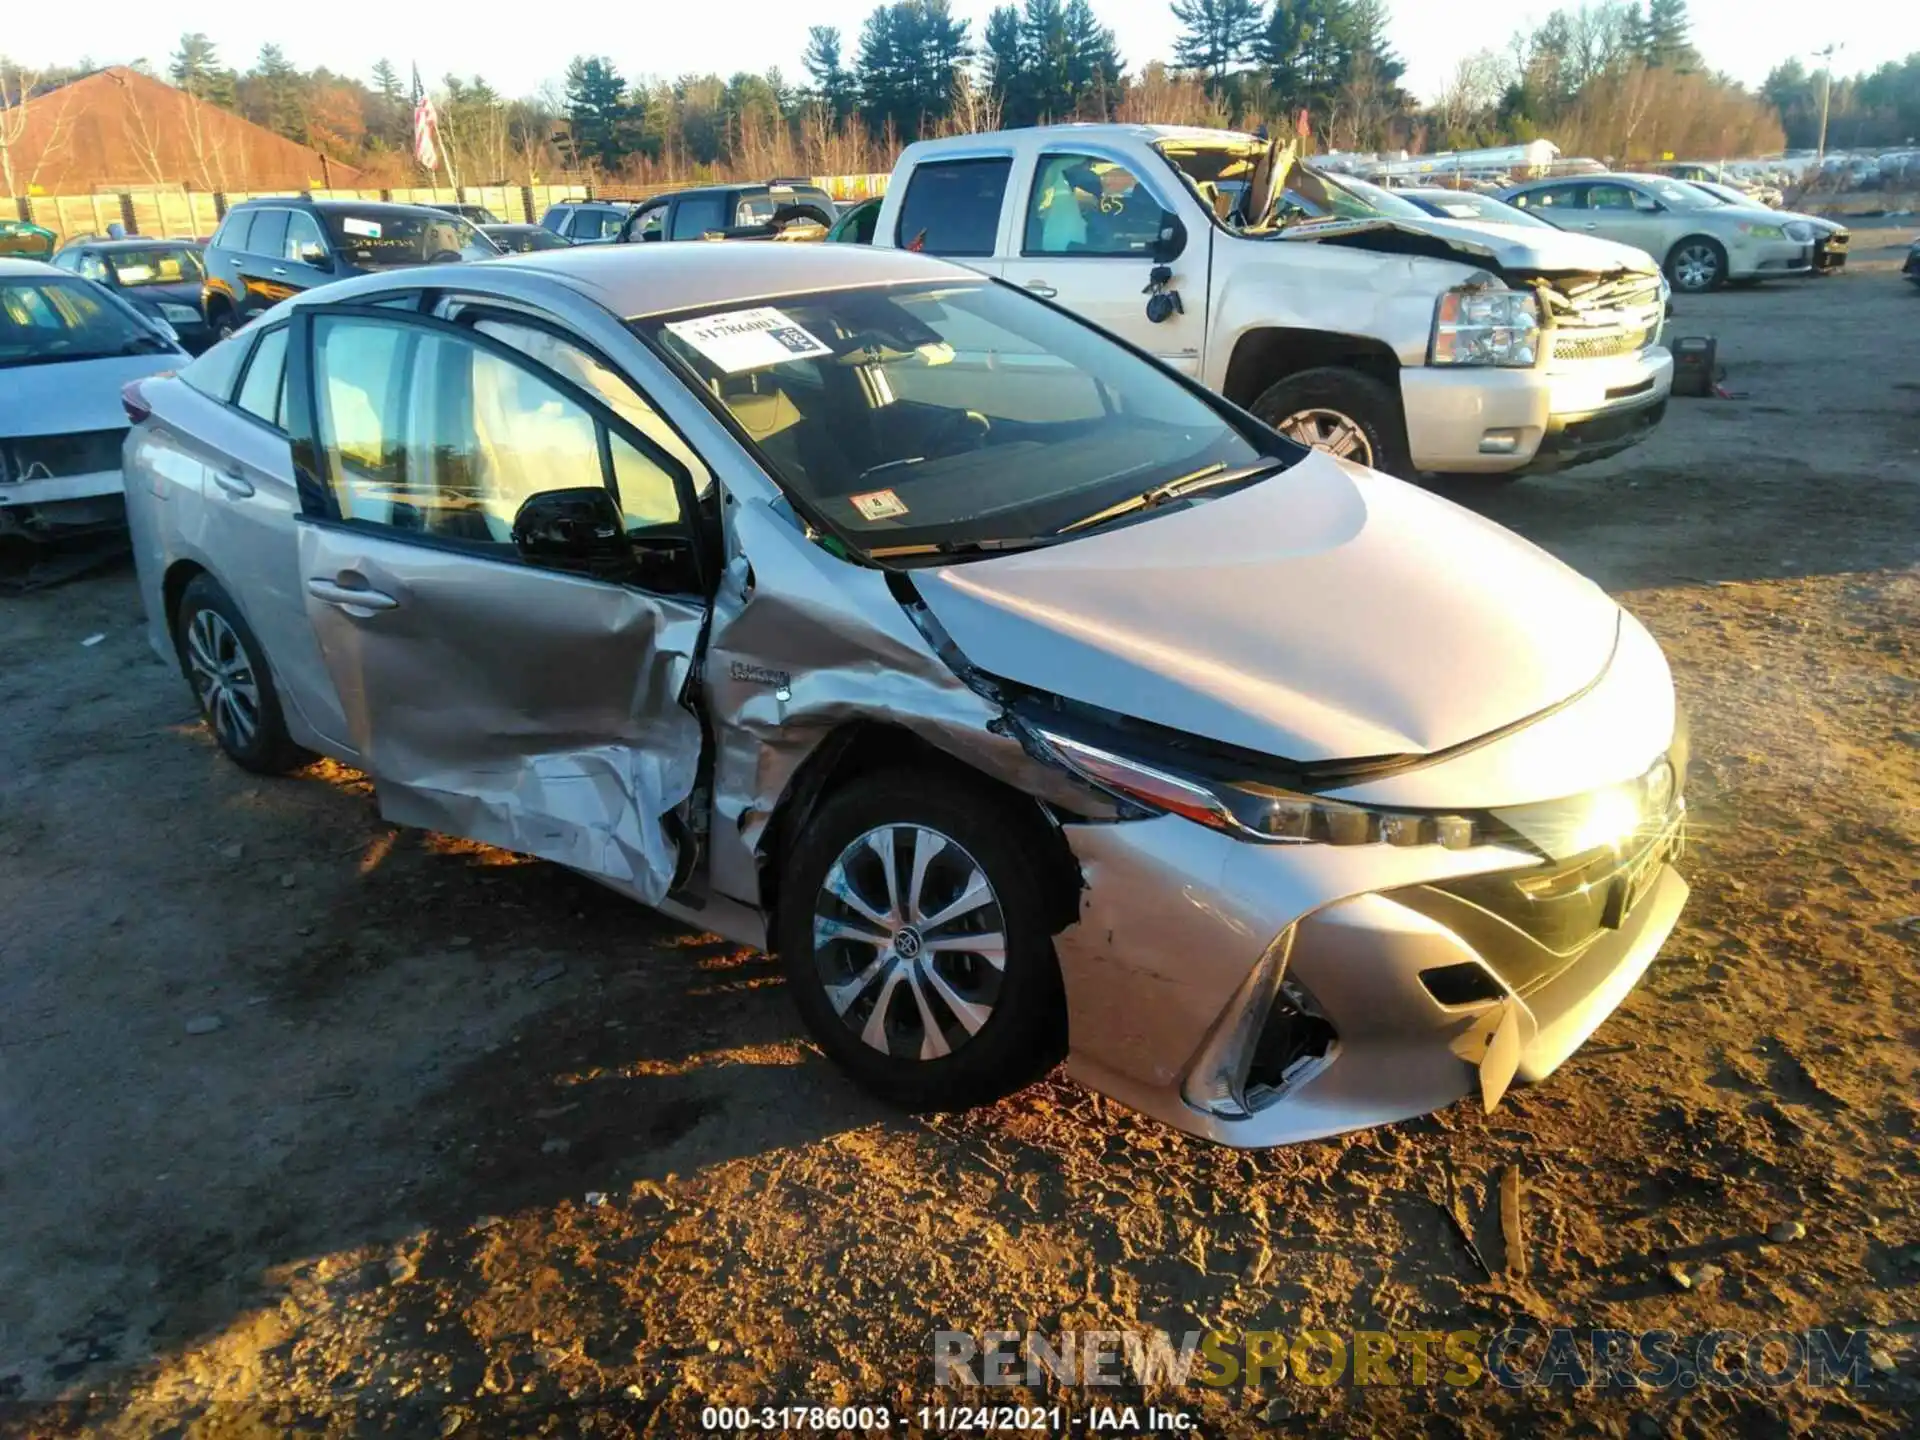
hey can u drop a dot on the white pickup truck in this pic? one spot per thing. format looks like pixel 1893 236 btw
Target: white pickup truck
pixel 1337 312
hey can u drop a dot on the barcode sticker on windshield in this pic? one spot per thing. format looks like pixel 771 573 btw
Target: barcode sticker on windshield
pixel 878 505
pixel 354 225
pixel 749 339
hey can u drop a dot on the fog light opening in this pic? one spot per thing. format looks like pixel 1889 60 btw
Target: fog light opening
pixel 1500 442
pixel 1297 1041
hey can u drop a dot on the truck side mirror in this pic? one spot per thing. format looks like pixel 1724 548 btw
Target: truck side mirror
pixel 1171 238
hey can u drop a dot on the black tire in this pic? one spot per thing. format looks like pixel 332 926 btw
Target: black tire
pixel 225 637
pixel 220 320
pixel 1024 1032
pixel 1351 395
pixel 1697 281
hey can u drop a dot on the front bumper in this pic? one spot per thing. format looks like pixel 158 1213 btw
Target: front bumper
pixel 1553 416
pixel 1830 252
pixel 1163 996
pixel 1760 259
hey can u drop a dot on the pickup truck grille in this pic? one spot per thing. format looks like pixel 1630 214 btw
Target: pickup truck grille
pixel 46 457
pixel 1596 317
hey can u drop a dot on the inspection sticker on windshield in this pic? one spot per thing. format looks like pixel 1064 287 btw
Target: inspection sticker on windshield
pixel 749 339
pixel 354 225
pixel 878 505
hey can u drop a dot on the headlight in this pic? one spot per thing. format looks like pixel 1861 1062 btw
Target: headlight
pixel 1475 326
pixel 1762 232
pixel 1798 230
pixel 1253 811
pixel 180 314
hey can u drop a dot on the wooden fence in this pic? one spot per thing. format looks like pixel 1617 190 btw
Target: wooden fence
pixel 179 212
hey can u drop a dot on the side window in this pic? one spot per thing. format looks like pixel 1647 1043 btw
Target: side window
pixel 1643 202
pixel 263 393
pixel 556 218
pixel 67 260
pixel 1084 205
pixel 233 233
pixel 697 214
pixel 269 233
pixel 952 207
pixel 93 267
pixel 432 433
pixel 1609 197
pixel 596 223
pixel 215 372
pixel 644 499
pixel 304 243
pixel 648 223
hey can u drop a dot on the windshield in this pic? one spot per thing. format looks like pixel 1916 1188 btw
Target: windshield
pixel 523 238
pixel 1219 172
pixel 387 239
pixel 161 265
pixel 947 414
pixel 1466 205
pixel 1678 193
pixel 47 321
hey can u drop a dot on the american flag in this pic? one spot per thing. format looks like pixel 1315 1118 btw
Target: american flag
pixel 426 126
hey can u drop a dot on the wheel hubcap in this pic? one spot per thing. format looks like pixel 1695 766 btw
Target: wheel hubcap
pixel 1330 431
pixel 1697 266
pixel 909 942
pixel 223 679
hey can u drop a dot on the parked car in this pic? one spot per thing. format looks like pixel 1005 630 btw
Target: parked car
pixel 855 225
pixel 523 239
pixel 26 241
pixel 732 212
pixel 588 222
pixel 1020 692
pixel 1748 190
pixel 67 346
pixel 1471 205
pixel 1338 312
pixel 164 278
pixel 1830 237
pixel 478 214
pixel 266 250
pixel 1702 242
pixel 1912 268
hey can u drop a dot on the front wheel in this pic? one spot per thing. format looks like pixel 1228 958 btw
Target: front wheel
pixel 1697 264
pixel 1343 412
pixel 912 929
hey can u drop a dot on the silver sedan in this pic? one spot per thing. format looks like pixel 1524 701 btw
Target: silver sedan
pixel 1027 698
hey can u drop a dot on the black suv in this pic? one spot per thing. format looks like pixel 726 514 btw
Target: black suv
pixel 737 212
pixel 266 250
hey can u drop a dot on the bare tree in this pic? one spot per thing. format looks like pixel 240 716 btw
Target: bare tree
pixel 19 177
pixel 143 138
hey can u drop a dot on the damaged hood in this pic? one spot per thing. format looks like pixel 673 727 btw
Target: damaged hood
pixel 73 395
pixel 1511 247
pixel 1326 613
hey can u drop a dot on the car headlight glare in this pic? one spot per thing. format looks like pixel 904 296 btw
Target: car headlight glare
pixel 1614 817
pixel 1477 326
pixel 1252 811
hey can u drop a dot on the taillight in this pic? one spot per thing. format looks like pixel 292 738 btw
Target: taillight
pixel 134 402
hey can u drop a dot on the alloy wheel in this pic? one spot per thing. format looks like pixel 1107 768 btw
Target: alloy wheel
pixel 223 678
pixel 1696 268
pixel 909 942
pixel 1330 431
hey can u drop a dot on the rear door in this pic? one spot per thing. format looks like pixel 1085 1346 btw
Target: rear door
pixel 265 279
pixel 955 208
pixel 527 707
pixel 1624 214
pixel 1084 229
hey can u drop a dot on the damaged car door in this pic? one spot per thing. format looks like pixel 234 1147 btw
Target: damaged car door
pixel 504 577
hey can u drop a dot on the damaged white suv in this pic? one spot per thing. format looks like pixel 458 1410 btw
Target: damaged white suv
pixel 1024 695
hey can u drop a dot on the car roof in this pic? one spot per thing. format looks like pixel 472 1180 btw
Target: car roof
pixel 1096 131
pixel 12 267
pixel 634 281
pixel 363 207
pixel 136 242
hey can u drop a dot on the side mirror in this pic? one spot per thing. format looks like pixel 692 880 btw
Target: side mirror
pixel 316 256
pixel 577 530
pixel 1171 239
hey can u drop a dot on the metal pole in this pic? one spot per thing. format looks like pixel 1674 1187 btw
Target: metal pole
pixel 1826 92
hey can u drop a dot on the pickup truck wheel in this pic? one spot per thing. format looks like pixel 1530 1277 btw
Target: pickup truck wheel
pixel 1342 412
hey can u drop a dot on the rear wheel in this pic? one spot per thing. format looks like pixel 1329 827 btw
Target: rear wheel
pixel 220 319
pixel 912 929
pixel 1343 412
pixel 228 671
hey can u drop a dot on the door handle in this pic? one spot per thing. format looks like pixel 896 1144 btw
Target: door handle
pixel 1042 289
pixel 279 269
pixel 1591 225
pixel 349 597
pixel 234 482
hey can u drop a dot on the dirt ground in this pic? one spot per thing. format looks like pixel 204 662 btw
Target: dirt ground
pixel 308 1124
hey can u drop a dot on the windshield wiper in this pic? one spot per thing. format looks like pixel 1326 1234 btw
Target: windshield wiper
pixel 1209 478
pixel 996 545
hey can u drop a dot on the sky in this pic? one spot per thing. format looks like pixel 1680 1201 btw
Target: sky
pixel 519 47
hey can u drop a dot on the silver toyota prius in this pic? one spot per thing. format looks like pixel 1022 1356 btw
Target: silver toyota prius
pixel 1027 699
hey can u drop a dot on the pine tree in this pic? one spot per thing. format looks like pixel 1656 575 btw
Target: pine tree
pixel 195 68
pixel 386 83
pixel 909 52
pixel 1008 75
pixel 596 110
pixel 833 83
pixel 1216 36
pixel 1666 35
pixel 282 102
pixel 1095 66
